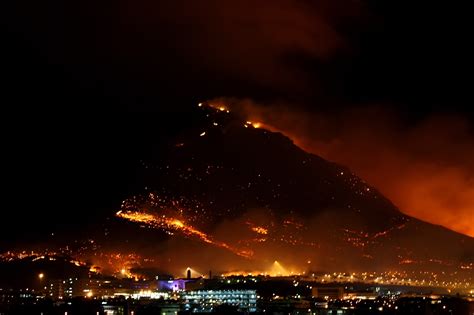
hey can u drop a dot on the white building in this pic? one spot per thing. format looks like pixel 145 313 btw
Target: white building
pixel 205 301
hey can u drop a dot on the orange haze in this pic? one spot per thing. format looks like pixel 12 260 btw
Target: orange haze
pixel 426 169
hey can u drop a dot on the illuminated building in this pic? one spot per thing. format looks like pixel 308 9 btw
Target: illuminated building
pixel 362 295
pixel 205 301
pixel 150 295
pixel 58 289
pixel 172 285
pixel 181 284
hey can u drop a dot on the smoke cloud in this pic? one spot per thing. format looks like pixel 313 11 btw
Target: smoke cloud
pixel 243 40
pixel 200 49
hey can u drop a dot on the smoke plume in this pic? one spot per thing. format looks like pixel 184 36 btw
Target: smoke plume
pixel 426 168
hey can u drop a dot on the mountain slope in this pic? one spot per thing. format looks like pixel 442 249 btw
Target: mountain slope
pixel 254 190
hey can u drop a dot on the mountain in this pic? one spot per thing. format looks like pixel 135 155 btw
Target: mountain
pixel 229 195
pixel 254 192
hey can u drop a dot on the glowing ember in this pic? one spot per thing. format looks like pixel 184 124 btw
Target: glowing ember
pixel 218 106
pixel 260 230
pixel 166 223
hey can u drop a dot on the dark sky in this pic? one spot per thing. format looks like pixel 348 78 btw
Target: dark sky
pixel 84 79
pixel 152 55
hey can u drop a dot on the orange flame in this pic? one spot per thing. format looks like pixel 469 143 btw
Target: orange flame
pixel 168 223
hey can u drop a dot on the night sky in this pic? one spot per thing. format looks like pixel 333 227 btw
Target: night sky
pixel 88 85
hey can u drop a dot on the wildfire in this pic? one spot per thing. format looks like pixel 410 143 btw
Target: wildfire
pixel 175 225
pixel 217 106
pixel 276 269
pixel 260 230
pixel 253 124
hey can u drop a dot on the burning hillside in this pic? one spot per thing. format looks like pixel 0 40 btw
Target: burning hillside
pixel 234 185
